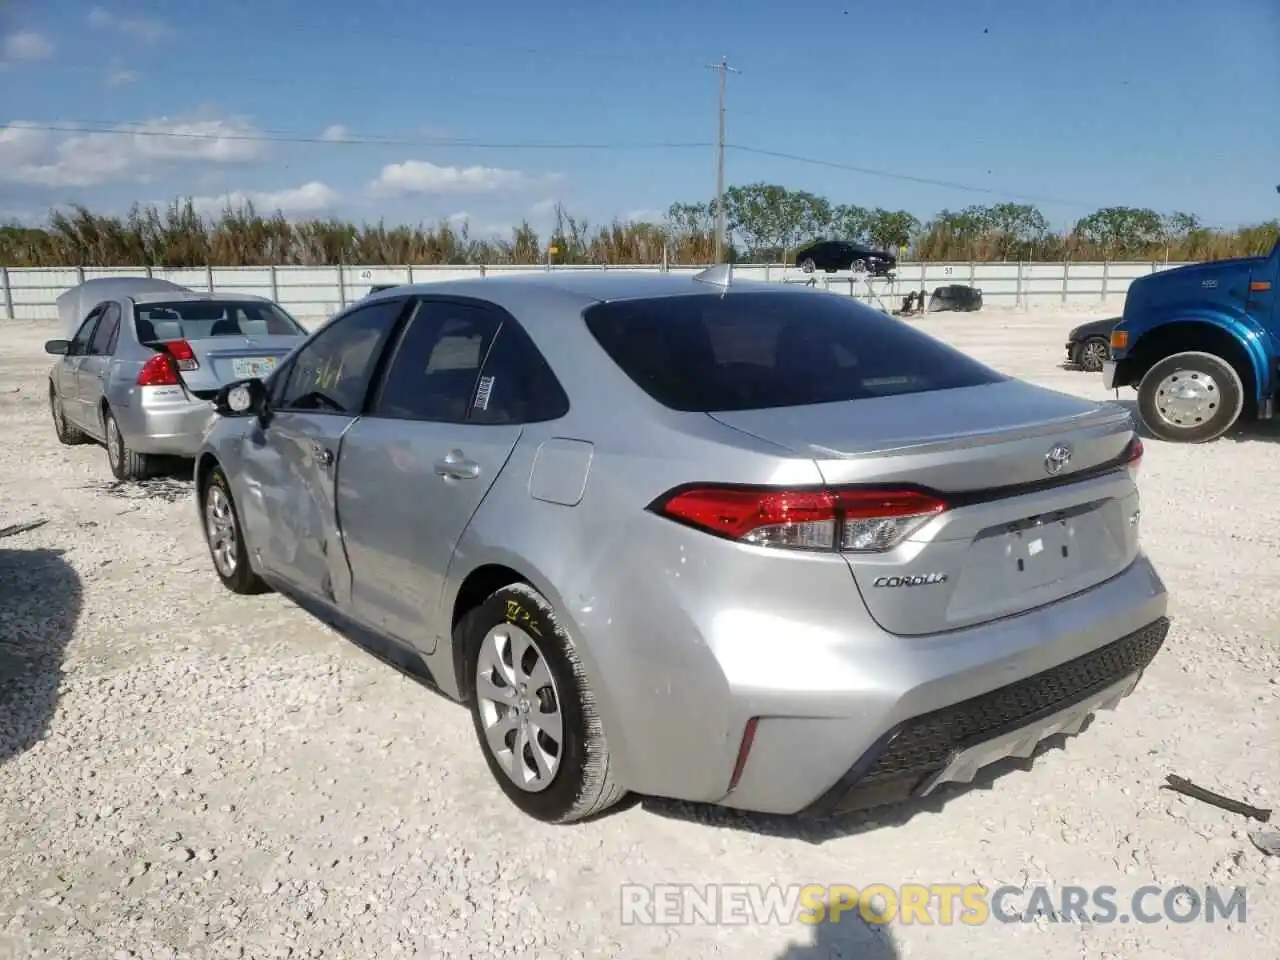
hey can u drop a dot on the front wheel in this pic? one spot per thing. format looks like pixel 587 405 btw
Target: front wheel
pixel 1093 352
pixel 1190 397
pixel 533 709
pixel 225 536
pixel 67 432
pixel 808 266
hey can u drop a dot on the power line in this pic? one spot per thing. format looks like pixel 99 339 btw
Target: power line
pixel 138 130
pixel 910 178
pixel 127 130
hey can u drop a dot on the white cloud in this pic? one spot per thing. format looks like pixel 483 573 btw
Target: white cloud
pixel 645 215
pixel 35 155
pixel 335 133
pixel 477 230
pixel 310 198
pixel 25 46
pixel 144 29
pixel 119 75
pixel 544 207
pixel 421 176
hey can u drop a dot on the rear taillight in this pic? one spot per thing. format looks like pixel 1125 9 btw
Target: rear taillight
pixel 1133 457
pixel 181 351
pixel 850 519
pixel 159 371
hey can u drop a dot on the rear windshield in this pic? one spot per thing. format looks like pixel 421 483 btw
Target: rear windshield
pixel 751 351
pixel 198 319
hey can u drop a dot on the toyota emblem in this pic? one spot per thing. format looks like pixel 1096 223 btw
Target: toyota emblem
pixel 1057 458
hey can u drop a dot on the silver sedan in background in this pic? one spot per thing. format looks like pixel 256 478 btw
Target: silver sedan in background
pixel 140 369
pixel 706 540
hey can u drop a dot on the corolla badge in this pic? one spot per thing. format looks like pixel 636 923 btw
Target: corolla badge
pixel 1057 458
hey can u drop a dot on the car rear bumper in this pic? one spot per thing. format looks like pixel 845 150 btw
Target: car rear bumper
pixel 164 421
pixel 952 744
pixel 835 703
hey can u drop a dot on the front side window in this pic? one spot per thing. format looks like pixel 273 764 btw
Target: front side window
pixel 748 351
pixel 331 373
pixel 201 319
pixel 103 343
pixel 80 342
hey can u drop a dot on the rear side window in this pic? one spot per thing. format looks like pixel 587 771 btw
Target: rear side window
pixel 750 351
pixel 436 367
pixel 200 319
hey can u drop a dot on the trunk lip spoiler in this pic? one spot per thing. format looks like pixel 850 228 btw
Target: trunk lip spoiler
pixel 1106 414
pixel 1087 419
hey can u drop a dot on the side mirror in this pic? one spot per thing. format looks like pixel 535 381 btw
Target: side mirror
pixel 243 398
pixel 59 348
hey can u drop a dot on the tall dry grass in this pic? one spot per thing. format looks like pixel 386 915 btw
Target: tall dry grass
pixel 180 237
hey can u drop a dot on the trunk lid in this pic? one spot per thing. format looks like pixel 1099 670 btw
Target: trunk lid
pixel 1017 535
pixel 225 359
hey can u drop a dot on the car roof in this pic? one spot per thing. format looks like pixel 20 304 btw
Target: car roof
pixel 584 287
pixel 74 304
pixel 184 295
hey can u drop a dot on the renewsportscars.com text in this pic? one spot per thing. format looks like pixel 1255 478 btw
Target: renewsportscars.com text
pixel 939 903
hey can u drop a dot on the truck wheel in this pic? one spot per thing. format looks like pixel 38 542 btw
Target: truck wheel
pixel 1190 397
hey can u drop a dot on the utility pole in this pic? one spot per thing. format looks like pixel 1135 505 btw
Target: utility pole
pixel 724 70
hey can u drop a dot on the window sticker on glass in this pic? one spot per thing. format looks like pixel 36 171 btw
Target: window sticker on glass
pixel 482 394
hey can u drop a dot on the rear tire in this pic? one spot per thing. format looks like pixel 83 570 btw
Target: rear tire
pixel 541 691
pixel 225 537
pixel 125 464
pixel 1190 397
pixel 808 266
pixel 67 432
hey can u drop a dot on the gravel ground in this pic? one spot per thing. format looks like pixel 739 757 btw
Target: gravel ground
pixel 185 773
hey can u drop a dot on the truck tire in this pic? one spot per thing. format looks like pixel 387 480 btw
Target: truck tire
pixel 1190 397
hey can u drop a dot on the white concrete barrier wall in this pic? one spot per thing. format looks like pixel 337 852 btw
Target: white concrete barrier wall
pixel 315 293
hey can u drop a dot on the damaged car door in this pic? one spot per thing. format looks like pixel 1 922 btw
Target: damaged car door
pixel 291 459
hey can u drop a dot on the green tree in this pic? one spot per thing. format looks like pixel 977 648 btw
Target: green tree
pixel 1121 231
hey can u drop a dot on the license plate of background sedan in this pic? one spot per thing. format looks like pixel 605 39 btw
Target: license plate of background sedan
pixel 246 367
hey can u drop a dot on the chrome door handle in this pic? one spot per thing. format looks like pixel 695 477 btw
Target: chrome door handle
pixel 323 455
pixel 456 466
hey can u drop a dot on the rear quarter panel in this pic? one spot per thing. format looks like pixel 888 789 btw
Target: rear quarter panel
pixel 611 570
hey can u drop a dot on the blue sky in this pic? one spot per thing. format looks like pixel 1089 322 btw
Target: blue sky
pixel 1171 104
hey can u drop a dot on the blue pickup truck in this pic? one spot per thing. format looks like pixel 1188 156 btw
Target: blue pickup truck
pixel 1201 344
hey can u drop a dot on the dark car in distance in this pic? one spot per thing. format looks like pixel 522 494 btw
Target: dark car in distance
pixel 1089 344
pixel 834 255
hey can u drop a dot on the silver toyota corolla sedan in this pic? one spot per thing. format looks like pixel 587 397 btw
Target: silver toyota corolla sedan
pixel 694 538
pixel 140 369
